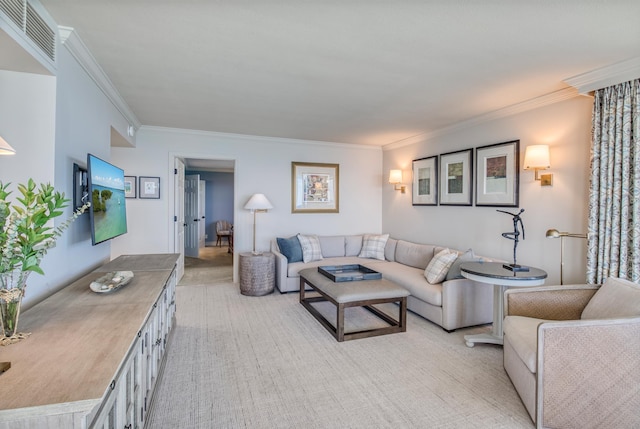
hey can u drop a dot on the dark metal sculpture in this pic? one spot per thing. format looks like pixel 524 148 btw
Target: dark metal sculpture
pixel 515 236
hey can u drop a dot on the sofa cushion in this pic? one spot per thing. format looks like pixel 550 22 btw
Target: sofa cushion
pixel 353 245
pixel 390 249
pixel 373 246
pixel 411 279
pixel 290 248
pixel 413 254
pixel 438 267
pixel 332 246
pixel 616 298
pixel 311 250
pixel 523 336
pixel 454 269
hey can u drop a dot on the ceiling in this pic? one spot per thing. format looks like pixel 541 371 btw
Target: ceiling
pixel 366 72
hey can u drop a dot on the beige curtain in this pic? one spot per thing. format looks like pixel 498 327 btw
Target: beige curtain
pixel 614 205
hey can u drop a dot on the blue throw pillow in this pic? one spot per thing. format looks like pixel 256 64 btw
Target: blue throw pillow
pixel 290 248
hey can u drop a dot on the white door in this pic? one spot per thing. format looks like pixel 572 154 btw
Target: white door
pixel 191 215
pixel 202 224
pixel 178 234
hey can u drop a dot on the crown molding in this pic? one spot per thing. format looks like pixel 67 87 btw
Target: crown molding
pixel 534 103
pixel 253 138
pixel 602 77
pixel 70 40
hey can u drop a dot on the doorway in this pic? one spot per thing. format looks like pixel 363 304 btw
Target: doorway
pixel 207 196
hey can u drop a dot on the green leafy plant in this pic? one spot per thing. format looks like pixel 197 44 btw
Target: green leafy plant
pixel 26 233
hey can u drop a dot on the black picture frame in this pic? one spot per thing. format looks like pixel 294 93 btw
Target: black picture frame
pixel 425 181
pixel 456 178
pixel 130 186
pixel 498 174
pixel 148 187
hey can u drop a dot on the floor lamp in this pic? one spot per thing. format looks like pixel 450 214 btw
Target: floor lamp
pixel 258 203
pixel 554 233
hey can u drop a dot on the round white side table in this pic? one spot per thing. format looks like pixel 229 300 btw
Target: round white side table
pixel 257 273
pixel 501 278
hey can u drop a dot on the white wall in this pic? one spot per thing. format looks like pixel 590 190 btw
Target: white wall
pixel 263 165
pixel 53 122
pixel 566 128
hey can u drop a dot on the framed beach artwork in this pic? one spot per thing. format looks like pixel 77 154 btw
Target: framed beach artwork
pixel 497 174
pixel 456 178
pixel 130 186
pixel 425 181
pixel 149 187
pixel 315 187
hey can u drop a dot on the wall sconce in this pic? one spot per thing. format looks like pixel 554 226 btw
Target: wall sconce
pixel 554 233
pixel 395 178
pixel 5 148
pixel 536 157
pixel 258 203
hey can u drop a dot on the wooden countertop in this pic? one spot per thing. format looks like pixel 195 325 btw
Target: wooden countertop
pixel 79 338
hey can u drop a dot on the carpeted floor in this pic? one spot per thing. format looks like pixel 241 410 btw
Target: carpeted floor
pixel 264 362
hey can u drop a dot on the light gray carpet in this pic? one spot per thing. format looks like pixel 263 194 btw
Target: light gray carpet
pixel 265 362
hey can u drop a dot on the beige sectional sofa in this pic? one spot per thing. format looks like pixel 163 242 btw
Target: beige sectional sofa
pixel 452 303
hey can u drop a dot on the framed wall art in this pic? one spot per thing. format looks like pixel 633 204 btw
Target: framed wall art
pixel 315 187
pixel 456 178
pixel 497 174
pixel 425 181
pixel 130 186
pixel 149 187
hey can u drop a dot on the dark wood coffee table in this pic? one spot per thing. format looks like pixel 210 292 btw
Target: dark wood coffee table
pixel 361 293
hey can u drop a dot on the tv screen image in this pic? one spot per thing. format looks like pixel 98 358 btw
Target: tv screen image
pixel 108 213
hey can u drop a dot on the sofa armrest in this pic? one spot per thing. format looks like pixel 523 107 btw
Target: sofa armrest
pixel 588 373
pixel 466 303
pixel 281 266
pixel 548 302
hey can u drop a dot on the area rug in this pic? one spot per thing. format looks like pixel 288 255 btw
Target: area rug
pixel 264 362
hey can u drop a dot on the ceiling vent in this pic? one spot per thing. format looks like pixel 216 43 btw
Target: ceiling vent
pixel 27 19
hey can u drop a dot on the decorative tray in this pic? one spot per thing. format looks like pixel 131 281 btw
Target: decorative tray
pixel 349 273
pixel 111 281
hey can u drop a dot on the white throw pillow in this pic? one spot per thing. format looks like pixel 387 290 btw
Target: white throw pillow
pixel 438 267
pixel 616 298
pixel 373 246
pixel 311 250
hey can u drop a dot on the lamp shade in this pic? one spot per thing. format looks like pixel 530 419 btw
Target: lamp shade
pixel 537 157
pixel 395 176
pixel 5 148
pixel 258 202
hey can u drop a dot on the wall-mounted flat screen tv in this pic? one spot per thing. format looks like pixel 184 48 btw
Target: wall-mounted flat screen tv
pixel 108 212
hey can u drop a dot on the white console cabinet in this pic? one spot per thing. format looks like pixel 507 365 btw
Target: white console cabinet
pixel 92 360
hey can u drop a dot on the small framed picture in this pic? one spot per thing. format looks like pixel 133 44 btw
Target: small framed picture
pixel 456 179
pixel 149 187
pixel 497 174
pixel 130 186
pixel 425 181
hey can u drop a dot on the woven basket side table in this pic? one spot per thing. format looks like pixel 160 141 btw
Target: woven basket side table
pixel 257 273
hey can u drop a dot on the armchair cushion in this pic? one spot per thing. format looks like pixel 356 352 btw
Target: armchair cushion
pixel 617 298
pixel 523 337
pixel 290 248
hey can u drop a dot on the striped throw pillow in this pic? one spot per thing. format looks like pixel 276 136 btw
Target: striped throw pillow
pixel 373 246
pixel 311 250
pixel 438 267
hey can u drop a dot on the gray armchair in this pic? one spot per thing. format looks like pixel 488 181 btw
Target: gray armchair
pixel 573 353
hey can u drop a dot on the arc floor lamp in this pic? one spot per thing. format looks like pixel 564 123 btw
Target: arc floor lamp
pixel 554 233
